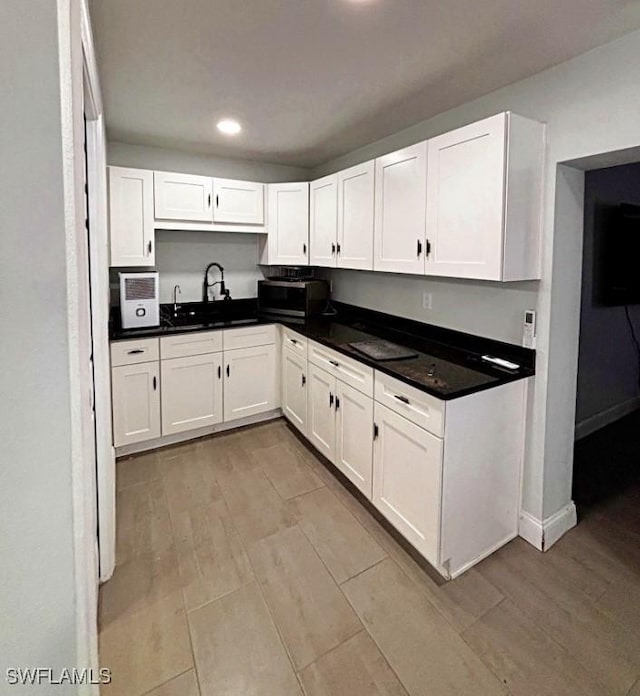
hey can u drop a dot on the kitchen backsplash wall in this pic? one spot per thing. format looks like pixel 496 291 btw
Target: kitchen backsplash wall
pixel 181 258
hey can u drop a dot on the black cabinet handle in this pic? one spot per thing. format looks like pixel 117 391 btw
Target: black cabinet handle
pixel 334 363
pixel 149 246
pixel 330 399
pixel 337 403
pixel 294 341
pixel 338 247
pixel 155 383
pixel 428 248
pixel 333 248
pixel 304 380
pixel 401 398
pixel 419 247
pixel 137 351
pixel 304 248
pixel 228 371
pixel 217 201
pixel 219 372
pixel 375 431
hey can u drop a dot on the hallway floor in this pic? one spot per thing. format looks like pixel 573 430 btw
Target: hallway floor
pixel 246 569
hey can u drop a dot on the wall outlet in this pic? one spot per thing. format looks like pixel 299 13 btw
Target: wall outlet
pixel 426 300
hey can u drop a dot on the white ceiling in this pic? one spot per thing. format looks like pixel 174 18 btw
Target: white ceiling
pixel 313 79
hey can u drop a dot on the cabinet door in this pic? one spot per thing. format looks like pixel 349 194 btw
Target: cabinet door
pixel 131 217
pixel 136 403
pixel 323 221
pixel 250 381
pixel 354 442
pixel 294 389
pixel 407 479
pixel 191 392
pixel 183 197
pixel 321 425
pixel 238 201
pixel 355 216
pixel 288 223
pixel 400 210
pixel 465 190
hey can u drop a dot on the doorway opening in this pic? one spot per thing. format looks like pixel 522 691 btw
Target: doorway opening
pixel 607 448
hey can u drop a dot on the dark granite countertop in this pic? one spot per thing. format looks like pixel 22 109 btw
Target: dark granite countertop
pixel 448 364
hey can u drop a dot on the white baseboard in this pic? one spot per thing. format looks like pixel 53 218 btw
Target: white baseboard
pixel 543 534
pixel 610 415
pixel 147 445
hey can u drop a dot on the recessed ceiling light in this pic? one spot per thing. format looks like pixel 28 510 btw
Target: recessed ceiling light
pixel 229 126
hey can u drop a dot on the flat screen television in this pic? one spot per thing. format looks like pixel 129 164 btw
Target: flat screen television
pixel 620 271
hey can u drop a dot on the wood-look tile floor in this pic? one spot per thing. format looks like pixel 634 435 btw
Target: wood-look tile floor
pixel 244 568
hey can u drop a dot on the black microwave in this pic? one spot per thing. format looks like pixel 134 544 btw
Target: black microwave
pixel 292 298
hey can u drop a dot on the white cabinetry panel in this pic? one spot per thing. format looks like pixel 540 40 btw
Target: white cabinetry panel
pixel 250 381
pixel 131 217
pixel 183 197
pixel 294 389
pixel 354 441
pixel 191 392
pixel 407 480
pixel 136 403
pixel 239 202
pixel 400 210
pixel 323 221
pixel 321 427
pixel 288 224
pixel 355 216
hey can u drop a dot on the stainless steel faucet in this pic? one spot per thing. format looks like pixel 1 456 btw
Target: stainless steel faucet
pixel 176 290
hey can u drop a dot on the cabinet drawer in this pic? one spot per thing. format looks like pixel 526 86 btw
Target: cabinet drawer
pixel 295 342
pixel 350 371
pixel 249 336
pixel 184 345
pixel 415 405
pixel 140 350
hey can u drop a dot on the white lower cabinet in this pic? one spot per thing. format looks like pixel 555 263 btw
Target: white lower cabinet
pixel 339 426
pixel 354 444
pixel 407 481
pixel 191 392
pixel 321 428
pixel 136 403
pixel 294 389
pixel 250 381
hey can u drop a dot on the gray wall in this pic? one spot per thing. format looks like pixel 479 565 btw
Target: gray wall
pixel 143 157
pixel 181 257
pixel 590 105
pixel 37 580
pixel 486 309
pixel 608 362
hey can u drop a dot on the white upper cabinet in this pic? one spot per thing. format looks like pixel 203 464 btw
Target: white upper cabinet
pixel 484 200
pixel 323 221
pixel 288 224
pixel 400 210
pixel 131 217
pixel 355 216
pixel 239 202
pixel 183 197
